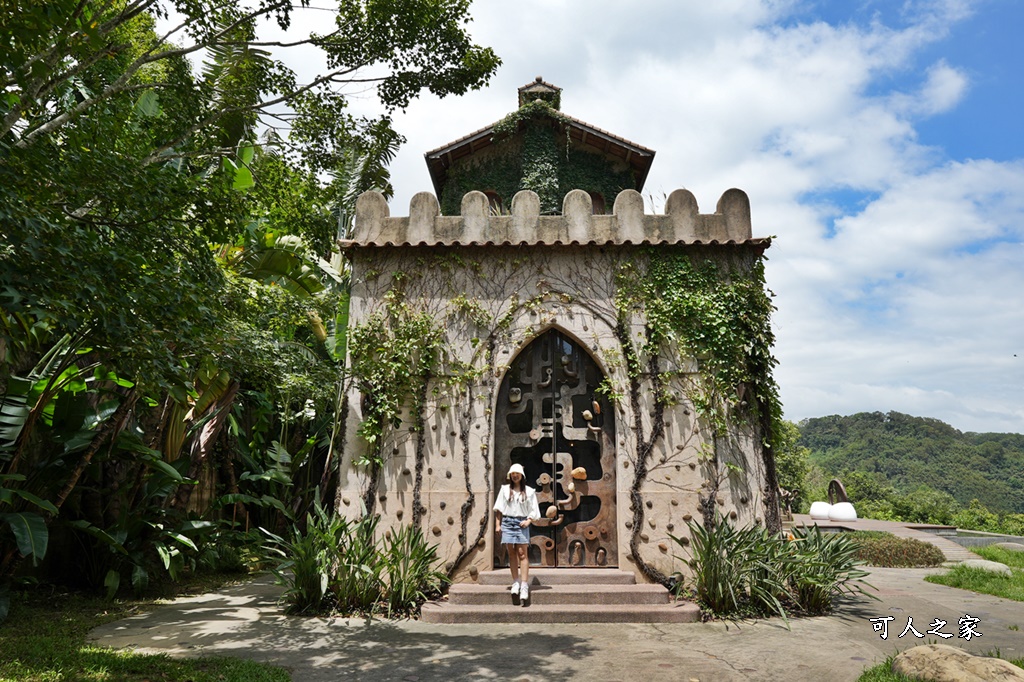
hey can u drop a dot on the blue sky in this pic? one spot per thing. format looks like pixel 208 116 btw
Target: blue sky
pixel 881 145
pixel 987 123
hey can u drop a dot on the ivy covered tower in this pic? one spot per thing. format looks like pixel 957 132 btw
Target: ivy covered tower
pixel 538 148
pixel 531 312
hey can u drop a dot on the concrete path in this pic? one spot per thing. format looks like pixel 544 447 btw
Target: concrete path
pixel 246 621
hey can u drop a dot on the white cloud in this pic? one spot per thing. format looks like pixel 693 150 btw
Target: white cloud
pixel 897 270
pixel 920 295
pixel 907 300
pixel 943 90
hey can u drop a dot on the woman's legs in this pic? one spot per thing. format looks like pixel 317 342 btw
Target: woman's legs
pixel 513 561
pixel 523 561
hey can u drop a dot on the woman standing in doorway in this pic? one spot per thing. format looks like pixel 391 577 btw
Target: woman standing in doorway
pixel 514 511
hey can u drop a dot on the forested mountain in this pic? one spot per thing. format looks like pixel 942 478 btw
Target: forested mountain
pixel 907 452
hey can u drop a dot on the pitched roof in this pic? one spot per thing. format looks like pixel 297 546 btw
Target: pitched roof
pixel 538 87
pixel 583 134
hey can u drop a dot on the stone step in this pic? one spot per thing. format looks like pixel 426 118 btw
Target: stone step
pixel 543 594
pixel 562 576
pixel 678 612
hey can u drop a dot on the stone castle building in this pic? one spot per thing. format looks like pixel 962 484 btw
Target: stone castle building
pixel 522 262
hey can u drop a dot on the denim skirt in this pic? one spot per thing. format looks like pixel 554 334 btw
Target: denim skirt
pixel 512 533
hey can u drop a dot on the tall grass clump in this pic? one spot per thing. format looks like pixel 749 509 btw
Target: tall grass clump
pixel 334 565
pixel 411 568
pixel 309 558
pixel 735 570
pixel 826 567
pixel 741 572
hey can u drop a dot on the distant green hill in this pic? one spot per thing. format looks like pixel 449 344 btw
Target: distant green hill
pixel 908 452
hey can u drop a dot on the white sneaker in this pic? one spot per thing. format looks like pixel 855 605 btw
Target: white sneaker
pixel 524 592
pixel 515 588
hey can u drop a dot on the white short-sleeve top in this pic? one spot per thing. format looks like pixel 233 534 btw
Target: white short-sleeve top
pixel 521 504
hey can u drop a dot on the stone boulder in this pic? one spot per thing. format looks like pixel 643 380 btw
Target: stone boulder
pixel 1010 546
pixel 943 663
pixel 986 565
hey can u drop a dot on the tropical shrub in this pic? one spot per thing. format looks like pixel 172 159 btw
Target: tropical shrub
pixel 411 569
pixel 753 572
pixel 337 565
pixel 308 559
pixel 826 567
pixel 1013 524
pixel 977 517
pixel 736 571
pixel 232 551
pixel 792 465
pixel 357 582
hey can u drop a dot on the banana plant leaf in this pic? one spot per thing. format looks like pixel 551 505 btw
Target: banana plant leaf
pixel 30 532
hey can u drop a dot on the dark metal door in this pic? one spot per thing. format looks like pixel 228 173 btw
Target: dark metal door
pixel 551 419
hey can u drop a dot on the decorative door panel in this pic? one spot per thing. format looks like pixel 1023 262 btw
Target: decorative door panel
pixel 551 419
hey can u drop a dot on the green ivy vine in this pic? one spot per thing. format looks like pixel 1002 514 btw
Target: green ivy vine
pixel 540 167
pixel 393 355
pixel 530 112
pixel 719 314
pixel 536 160
pixel 718 311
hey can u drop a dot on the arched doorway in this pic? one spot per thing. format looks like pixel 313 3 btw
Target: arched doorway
pixel 551 419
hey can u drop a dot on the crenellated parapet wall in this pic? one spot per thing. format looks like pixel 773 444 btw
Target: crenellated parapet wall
pixel 682 222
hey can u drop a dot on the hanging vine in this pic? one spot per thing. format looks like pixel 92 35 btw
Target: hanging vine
pixel 717 310
pixel 393 355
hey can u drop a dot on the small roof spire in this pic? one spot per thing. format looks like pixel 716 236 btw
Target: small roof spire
pixel 539 89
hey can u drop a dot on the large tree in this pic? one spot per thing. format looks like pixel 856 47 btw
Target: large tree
pixel 138 196
pixel 118 164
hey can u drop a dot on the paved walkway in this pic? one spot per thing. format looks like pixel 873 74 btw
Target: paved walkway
pixel 953 551
pixel 246 621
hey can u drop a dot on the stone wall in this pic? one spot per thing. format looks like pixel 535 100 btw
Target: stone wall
pixel 495 283
pixel 682 222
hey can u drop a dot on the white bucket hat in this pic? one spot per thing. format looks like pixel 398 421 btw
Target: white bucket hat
pixel 515 468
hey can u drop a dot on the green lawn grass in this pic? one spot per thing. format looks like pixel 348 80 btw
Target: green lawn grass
pixel 1003 556
pixel 43 640
pixel 986 582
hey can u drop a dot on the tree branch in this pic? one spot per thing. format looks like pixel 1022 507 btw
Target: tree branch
pixel 276 43
pixel 210 120
pixel 48 52
pixel 120 85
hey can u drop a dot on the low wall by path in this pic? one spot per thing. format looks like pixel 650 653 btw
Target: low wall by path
pixel 980 539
